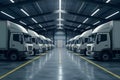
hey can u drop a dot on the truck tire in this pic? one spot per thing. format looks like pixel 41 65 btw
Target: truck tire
pixel 105 57
pixel 13 57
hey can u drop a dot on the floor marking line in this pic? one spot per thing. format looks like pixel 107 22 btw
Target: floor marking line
pixel 100 67
pixel 19 67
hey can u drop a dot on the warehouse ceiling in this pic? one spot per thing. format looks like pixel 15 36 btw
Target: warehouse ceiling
pixel 45 15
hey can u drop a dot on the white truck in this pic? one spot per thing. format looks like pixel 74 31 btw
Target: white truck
pixel 76 44
pixel 43 44
pixel 15 43
pixel 83 41
pixel 35 41
pixel 105 41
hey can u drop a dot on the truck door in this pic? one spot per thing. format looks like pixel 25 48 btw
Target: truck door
pixel 102 42
pixel 16 41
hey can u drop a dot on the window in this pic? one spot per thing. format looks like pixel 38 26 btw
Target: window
pixel 86 40
pixel 103 37
pixel 16 37
pixel 33 40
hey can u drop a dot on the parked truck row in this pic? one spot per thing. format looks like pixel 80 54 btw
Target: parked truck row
pixel 101 43
pixel 18 43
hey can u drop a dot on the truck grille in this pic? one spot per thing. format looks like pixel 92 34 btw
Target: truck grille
pixel 89 47
pixel 29 47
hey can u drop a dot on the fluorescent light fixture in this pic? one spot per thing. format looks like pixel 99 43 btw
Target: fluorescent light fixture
pixel 44 29
pixel 59 24
pixel 87 27
pixel 112 15
pixel 60 19
pixel 31 27
pixel 75 29
pixel 7 14
pixel 96 22
pixel 40 25
pixel 108 1
pixel 95 12
pixel 85 20
pixel 24 12
pixel 12 1
pixel 61 11
pixel 60 28
pixel 23 22
pixel 79 26
pixel 34 20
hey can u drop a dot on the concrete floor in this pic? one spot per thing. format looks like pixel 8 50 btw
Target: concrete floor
pixel 59 64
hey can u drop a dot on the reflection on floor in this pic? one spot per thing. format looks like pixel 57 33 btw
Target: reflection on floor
pixel 60 64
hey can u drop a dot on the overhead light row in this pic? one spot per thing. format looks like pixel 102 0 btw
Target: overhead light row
pixel 12 1
pixel 96 22
pixel 23 22
pixel 108 1
pixel 112 15
pixel 7 14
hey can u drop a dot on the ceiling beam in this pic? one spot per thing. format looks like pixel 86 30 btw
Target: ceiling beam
pixel 87 16
pixel 102 3
pixel 32 16
pixel 16 4
pixel 79 23
pixel 40 23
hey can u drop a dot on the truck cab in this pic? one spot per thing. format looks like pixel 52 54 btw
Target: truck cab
pixel 83 41
pixel 35 41
pixel 99 42
pixel 17 42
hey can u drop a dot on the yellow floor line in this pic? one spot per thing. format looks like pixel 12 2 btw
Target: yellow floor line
pixel 19 67
pixel 100 67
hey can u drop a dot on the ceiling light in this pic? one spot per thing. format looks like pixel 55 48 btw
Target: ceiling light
pixel 7 14
pixel 60 28
pixel 24 12
pixel 31 27
pixel 87 27
pixel 96 22
pixel 12 1
pixel 34 20
pixel 61 11
pixel 108 1
pixel 60 19
pixel 85 20
pixel 75 29
pixel 23 22
pixel 112 15
pixel 59 24
pixel 79 26
pixel 40 25
pixel 95 12
pixel 44 29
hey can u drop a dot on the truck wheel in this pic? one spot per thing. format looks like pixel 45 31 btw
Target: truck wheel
pixel 13 57
pixel 106 57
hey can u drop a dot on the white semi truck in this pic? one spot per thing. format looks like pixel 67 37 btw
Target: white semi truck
pixel 83 41
pixel 43 44
pixel 105 41
pixel 15 43
pixel 35 41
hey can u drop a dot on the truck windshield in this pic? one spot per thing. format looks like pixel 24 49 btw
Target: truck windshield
pixel 40 41
pixel 92 38
pixel 27 38
pixel 79 41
